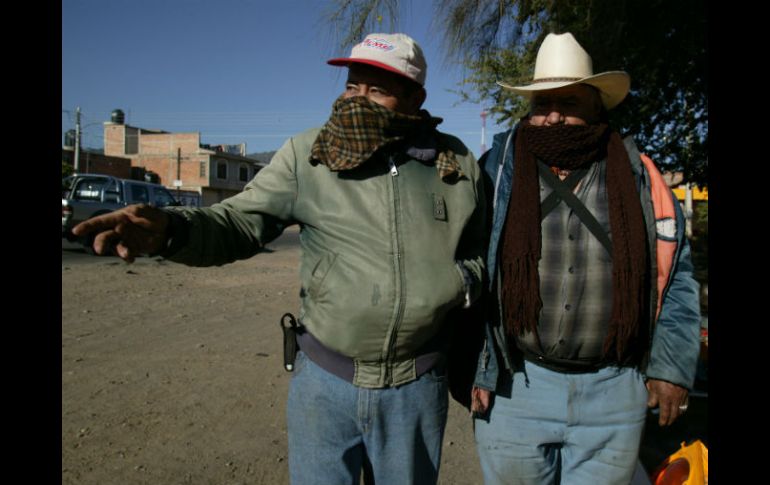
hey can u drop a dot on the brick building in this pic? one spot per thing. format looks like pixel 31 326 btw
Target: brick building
pixel 90 162
pixel 197 174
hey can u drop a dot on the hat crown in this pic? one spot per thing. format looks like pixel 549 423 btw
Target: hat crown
pixel 561 62
pixel 560 56
pixel 398 51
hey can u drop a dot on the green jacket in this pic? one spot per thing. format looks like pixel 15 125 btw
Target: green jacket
pixel 384 257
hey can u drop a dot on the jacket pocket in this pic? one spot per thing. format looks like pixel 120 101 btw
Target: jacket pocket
pixel 319 273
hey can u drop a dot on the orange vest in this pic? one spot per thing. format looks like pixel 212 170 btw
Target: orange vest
pixel 665 224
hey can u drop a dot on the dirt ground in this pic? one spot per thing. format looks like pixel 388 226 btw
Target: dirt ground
pixel 173 375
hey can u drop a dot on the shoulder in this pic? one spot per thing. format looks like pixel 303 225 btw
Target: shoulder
pixel 462 153
pixel 500 143
pixel 502 137
pixel 451 142
pixel 634 155
pixel 296 147
pixel 305 138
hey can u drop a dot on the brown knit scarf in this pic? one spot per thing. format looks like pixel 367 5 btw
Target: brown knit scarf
pixel 572 147
pixel 357 128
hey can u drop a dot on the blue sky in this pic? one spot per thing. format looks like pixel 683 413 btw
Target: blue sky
pixel 237 71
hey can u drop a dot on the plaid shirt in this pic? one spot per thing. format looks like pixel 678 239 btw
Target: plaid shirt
pixel 575 277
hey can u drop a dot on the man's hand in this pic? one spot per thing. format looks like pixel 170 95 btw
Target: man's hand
pixel 669 398
pixel 480 400
pixel 128 232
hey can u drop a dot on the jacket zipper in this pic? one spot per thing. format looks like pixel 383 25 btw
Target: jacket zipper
pixel 399 266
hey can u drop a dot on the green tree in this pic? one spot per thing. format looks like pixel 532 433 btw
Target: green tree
pixel 660 43
pixel 66 169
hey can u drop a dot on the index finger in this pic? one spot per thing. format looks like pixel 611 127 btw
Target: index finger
pixel 665 417
pixel 98 223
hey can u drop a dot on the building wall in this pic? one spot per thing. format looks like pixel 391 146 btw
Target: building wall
pixel 166 168
pixel 114 139
pixel 167 144
pixel 97 163
pixel 197 166
pixel 232 180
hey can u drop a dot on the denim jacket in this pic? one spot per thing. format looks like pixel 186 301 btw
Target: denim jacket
pixel 675 344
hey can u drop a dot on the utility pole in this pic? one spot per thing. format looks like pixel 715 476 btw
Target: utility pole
pixel 178 181
pixel 77 139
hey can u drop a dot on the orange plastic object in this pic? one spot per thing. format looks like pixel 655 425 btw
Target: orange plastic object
pixel 688 466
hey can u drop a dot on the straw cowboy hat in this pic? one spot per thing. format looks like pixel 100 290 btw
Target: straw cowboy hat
pixel 561 61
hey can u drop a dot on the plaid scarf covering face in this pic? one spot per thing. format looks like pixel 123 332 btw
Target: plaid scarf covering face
pixel 521 240
pixel 358 128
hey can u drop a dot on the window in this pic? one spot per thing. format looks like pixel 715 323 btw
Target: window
pixel 243 173
pixel 163 197
pixel 222 170
pixel 203 169
pixel 90 188
pixel 112 192
pixel 139 194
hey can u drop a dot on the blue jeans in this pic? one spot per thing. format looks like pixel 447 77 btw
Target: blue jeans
pixel 548 427
pixel 333 424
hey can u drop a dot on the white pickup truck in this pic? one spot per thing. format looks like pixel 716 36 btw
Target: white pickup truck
pixel 88 195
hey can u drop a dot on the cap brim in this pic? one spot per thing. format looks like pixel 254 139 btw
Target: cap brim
pixel 347 61
pixel 612 85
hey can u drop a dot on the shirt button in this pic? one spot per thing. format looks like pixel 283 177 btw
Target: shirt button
pixel 571 270
pixel 561 341
pixel 568 307
pixel 571 237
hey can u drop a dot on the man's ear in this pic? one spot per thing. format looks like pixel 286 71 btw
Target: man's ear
pixel 418 98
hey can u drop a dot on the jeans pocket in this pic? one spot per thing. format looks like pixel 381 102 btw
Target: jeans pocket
pixel 299 362
pixel 436 374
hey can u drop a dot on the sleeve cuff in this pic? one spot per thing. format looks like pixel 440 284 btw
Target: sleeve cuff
pixel 177 234
pixel 467 284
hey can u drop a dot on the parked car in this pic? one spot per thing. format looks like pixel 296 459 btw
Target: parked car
pixel 87 195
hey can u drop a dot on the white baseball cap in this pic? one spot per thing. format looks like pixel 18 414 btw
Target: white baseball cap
pixel 397 53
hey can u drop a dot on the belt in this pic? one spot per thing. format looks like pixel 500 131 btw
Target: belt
pixel 562 365
pixel 343 366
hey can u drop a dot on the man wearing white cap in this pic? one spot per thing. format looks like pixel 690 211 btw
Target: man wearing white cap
pixel 593 311
pixel 391 213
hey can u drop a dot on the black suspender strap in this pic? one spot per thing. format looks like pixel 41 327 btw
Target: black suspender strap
pixel 553 199
pixel 564 192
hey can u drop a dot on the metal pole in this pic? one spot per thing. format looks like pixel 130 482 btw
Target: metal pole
pixel 77 139
pixel 688 212
pixel 178 170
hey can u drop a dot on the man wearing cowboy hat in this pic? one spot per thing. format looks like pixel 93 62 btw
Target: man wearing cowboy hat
pixel 593 312
pixel 391 213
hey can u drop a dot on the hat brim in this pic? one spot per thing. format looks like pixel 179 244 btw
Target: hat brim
pixel 613 86
pixel 347 61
